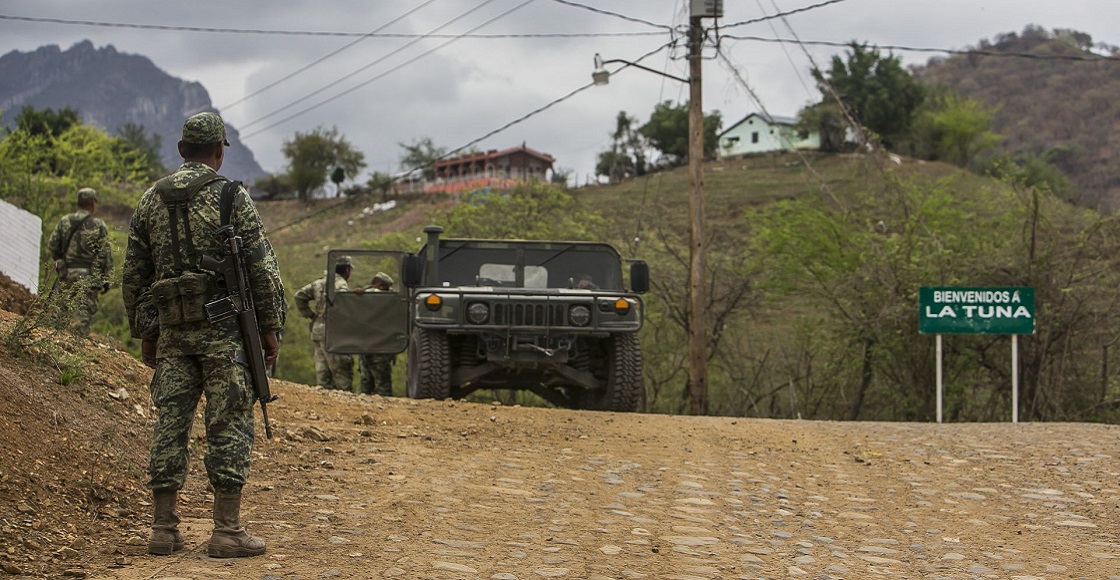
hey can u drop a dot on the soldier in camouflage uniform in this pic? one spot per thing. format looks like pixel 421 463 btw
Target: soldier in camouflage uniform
pixel 377 369
pixel 332 371
pixel 83 259
pixel 164 293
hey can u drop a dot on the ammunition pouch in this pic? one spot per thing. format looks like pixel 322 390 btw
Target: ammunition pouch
pixel 182 299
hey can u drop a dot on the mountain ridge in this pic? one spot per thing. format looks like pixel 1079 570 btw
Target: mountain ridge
pixel 109 88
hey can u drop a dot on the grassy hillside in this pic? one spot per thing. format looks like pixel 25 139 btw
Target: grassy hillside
pixel 813 270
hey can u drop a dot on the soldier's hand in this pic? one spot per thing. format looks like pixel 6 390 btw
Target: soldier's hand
pixel 271 346
pixel 148 352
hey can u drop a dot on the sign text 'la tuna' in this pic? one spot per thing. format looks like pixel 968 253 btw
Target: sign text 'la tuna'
pixel 956 310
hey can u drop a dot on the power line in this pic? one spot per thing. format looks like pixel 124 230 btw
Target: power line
pixel 317 32
pixel 325 57
pixel 783 14
pixel 900 48
pixel 375 62
pixel 614 14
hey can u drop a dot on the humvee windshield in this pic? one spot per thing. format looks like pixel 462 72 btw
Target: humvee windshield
pixel 528 264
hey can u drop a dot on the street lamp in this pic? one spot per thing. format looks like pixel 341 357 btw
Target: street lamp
pixel 601 76
pixel 697 300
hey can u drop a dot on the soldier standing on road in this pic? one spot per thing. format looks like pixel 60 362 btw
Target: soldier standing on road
pixel 332 371
pixel 164 293
pixel 377 369
pixel 83 259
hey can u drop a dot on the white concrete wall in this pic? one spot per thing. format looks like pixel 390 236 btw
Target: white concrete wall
pixel 20 234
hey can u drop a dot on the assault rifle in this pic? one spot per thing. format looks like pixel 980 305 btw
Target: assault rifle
pixel 238 302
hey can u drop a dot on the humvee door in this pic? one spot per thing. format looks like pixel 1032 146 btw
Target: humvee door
pixel 364 321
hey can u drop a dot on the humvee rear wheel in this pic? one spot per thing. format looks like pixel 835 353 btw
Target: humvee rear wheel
pixel 429 365
pixel 624 377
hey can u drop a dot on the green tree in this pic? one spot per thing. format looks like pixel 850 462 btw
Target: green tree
pixel 421 154
pixel 46 121
pixel 827 120
pixel 667 130
pixel 626 157
pixel 312 155
pixel 274 186
pixel 147 147
pixel 615 166
pixel 337 177
pixel 954 129
pixel 876 89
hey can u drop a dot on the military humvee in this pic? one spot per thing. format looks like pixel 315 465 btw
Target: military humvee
pixel 550 317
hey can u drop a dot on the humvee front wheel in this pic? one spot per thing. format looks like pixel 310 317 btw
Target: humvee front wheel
pixel 429 365
pixel 624 377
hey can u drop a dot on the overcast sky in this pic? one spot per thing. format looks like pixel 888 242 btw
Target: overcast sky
pixel 456 90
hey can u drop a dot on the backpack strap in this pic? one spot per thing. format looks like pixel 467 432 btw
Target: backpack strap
pixel 73 230
pixel 177 200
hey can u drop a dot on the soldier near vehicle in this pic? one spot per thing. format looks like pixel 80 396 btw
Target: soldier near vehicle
pixel 551 317
pixel 83 259
pixel 332 371
pixel 168 298
pixel 377 369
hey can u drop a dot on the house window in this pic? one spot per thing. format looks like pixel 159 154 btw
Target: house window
pixel 754 137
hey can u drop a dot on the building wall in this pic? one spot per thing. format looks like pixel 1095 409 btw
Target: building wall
pixel 19 245
pixel 755 135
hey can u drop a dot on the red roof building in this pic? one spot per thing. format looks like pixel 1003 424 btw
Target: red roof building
pixel 491 168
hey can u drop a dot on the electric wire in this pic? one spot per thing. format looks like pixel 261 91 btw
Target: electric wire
pixel 784 14
pixel 208 29
pixel 762 107
pixel 377 77
pixel 326 57
pixel 614 14
pixel 903 48
pixel 362 68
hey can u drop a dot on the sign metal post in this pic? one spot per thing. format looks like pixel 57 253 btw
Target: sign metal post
pixel 960 310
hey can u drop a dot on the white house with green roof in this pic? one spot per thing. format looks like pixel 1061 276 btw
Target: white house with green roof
pixel 759 133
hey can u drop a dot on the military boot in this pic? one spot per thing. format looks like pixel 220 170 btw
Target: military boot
pixel 229 539
pixel 165 538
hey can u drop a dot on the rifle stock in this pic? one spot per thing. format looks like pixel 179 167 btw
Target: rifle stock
pixel 239 301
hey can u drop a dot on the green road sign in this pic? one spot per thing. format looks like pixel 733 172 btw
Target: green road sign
pixel 957 310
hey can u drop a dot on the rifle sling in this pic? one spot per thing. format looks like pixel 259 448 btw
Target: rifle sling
pixel 226 207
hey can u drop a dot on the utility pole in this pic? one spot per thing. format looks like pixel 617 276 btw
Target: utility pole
pixel 697 292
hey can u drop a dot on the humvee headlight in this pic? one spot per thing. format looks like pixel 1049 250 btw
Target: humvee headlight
pixel 622 306
pixel 579 315
pixel 478 313
pixel 433 302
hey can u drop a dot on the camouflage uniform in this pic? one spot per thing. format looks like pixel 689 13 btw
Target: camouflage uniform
pixel 332 371
pixel 377 369
pixel 85 264
pixel 197 357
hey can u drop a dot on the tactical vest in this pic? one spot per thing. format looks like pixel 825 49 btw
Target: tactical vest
pixel 181 298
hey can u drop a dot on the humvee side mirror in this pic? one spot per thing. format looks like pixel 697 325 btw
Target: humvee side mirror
pixel 639 276
pixel 412 270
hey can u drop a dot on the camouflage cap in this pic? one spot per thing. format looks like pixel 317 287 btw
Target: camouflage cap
pixel 344 261
pixel 204 128
pixel 87 194
pixel 383 278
